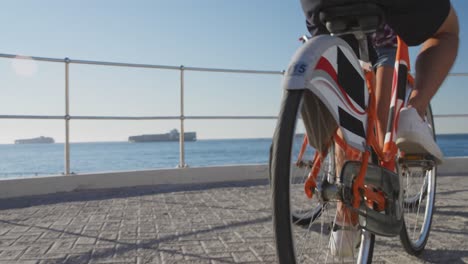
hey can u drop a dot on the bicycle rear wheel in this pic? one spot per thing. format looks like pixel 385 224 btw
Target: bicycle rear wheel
pixel 303 226
pixel 419 187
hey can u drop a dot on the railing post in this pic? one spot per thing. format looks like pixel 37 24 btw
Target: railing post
pixel 67 118
pixel 182 118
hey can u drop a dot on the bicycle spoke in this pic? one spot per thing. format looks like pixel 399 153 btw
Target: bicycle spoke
pixel 304 237
pixel 419 208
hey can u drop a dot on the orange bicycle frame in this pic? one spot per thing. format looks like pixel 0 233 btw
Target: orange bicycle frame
pixel 387 154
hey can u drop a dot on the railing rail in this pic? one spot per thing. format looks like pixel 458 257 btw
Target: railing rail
pixel 181 117
pixel 450 115
pixel 133 117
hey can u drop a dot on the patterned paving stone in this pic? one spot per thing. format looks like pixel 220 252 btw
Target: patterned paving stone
pixel 211 224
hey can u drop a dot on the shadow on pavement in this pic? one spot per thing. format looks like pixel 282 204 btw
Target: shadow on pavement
pixel 104 194
pixel 445 256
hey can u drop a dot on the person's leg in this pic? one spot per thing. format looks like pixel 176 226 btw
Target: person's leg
pixel 383 92
pixel 436 57
pixel 434 24
pixel 344 240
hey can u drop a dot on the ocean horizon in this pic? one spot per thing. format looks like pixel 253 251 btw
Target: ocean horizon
pixel 31 160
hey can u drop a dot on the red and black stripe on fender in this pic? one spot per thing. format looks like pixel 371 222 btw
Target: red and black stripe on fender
pixel 351 85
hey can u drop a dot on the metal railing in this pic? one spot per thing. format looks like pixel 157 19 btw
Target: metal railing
pixel 67 117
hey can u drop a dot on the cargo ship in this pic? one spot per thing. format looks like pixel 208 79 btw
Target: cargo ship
pixel 173 135
pixel 38 140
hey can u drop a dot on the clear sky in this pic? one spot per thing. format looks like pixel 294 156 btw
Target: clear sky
pixel 242 34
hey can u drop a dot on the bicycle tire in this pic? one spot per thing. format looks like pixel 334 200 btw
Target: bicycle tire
pixel 415 240
pixel 284 219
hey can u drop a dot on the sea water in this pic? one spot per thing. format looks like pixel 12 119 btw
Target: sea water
pixel 17 161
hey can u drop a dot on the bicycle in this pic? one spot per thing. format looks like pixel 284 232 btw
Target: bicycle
pixel 325 154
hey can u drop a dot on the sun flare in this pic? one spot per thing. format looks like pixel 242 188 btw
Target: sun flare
pixel 24 66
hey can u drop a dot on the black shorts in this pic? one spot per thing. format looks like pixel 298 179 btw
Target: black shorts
pixel 413 20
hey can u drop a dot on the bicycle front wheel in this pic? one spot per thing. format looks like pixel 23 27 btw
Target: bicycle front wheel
pixel 419 187
pixel 303 227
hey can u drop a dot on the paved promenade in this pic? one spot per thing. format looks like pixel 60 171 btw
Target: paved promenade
pixel 196 224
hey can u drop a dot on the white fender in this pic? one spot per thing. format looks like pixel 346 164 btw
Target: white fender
pixel 328 67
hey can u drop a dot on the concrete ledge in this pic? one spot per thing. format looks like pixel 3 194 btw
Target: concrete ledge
pixel 10 188
pixel 53 184
pixel 454 166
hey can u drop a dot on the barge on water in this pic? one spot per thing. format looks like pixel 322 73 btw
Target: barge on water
pixel 174 135
pixel 37 140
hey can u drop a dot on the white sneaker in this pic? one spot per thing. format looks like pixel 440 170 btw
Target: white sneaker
pixel 414 135
pixel 345 241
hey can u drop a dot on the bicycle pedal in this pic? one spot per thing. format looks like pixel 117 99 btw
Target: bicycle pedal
pixel 424 161
pixel 304 164
pixel 335 227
